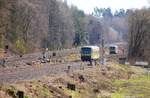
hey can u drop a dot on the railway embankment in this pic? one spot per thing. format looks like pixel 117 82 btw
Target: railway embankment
pixel 112 81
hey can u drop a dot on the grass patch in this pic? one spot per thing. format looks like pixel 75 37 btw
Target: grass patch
pixel 117 95
pixel 41 90
pixel 74 94
pixel 138 87
pixel 121 67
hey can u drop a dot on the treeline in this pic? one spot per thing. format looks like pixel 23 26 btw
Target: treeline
pixel 107 12
pixel 139 35
pixel 31 25
pixel 115 25
pixel 133 25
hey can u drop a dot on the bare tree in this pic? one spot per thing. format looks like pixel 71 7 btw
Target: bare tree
pixel 20 17
pixel 139 32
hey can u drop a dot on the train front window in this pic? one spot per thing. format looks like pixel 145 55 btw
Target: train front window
pixel 86 51
pixel 112 48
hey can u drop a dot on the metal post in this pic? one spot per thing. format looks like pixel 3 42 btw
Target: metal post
pixel 102 49
pixel 101 40
pixel 102 46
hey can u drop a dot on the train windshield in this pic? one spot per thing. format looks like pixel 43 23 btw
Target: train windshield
pixel 112 48
pixel 86 51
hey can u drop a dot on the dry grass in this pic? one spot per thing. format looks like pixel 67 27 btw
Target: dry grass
pixel 95 83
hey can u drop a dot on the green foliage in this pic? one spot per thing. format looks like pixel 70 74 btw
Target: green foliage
pixel 2 2
pixel 26 97
pixel 105 12
pixel 116 95
pixel 137 87
pixel 21 46
pixel 120 13
pixel 81 36
pixel 74 94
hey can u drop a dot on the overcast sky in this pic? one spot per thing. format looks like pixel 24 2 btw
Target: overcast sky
pixel 88 5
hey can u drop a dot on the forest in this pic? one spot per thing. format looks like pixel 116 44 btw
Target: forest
pixel 28 26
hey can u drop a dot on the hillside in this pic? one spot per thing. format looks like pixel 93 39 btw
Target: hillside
pixel 116 81
pixel 29 26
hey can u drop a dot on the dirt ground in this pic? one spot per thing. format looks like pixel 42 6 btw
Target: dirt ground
pixel 94 82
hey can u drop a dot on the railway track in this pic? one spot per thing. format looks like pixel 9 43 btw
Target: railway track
pixel 17 69
pixel 28 58
pixel 19 73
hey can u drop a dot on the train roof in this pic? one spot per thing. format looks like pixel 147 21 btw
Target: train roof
pixel 113 45
pixel 92 47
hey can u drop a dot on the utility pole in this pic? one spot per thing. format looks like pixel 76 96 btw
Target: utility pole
pixel 102 42
pixel 102 45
